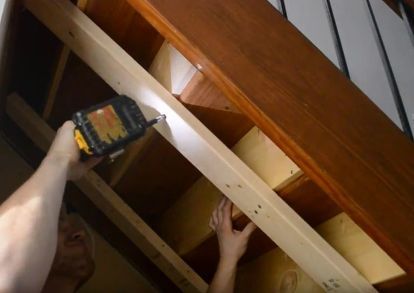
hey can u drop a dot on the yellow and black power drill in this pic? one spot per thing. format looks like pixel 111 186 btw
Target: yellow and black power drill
pixel 105 129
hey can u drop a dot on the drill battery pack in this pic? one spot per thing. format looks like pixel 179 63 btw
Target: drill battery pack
pixel 108 127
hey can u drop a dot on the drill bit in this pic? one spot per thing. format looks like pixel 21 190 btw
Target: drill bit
pixel 156 120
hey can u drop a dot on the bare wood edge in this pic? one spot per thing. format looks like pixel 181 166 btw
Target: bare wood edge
pixel 95 188
pixel 58 72
pixel 191 139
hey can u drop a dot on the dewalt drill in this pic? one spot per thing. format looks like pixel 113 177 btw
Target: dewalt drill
pixel 106 128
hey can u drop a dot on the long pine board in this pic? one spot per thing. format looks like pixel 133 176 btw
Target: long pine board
pixel 301 101
pixel 102 195
pixel 199 146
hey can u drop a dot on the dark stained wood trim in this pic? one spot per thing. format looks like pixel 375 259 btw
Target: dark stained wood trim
pixel 285 85
pixel 200 91
pixel 410 3
pixel 403 284
pixel 393 5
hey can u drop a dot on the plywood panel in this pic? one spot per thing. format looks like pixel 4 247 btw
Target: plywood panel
pixel 268 272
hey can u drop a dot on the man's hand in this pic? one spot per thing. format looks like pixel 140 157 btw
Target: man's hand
pixel 232 243
pixel 64 149
pixel 29 217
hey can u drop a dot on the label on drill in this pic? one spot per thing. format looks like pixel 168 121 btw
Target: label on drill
pixel 107 124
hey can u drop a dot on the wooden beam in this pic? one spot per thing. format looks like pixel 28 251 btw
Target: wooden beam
pixel 273 270
pixel 135 167
pixel 58 72
pixel 198 145
pixel 111 204
pixel 96 218
pixel 55 83
pixel 274 75
pixel 173 71
pixel 304 196
pixel 258 153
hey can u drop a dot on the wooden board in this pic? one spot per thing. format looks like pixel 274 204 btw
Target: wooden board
pixel 260 155
pixel 58 72
pixel 127 27
pixel 154 157
pixel 302 195
pixel 80 203
pixel 191 139
pixel 305 105
pixel 203 93
pixel 171 69
pixel 268 272
pixel 111 204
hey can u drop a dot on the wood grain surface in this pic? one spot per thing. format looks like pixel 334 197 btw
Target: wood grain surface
pixel 305 105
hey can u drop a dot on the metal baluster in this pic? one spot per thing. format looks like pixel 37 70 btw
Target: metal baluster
pixel 407 16
pixel 337 40
pixel 390 73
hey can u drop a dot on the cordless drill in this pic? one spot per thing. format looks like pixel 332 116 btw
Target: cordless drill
pixel 106 128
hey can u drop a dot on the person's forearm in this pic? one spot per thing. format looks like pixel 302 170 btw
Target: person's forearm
pixel 28 227
pixel 224 278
